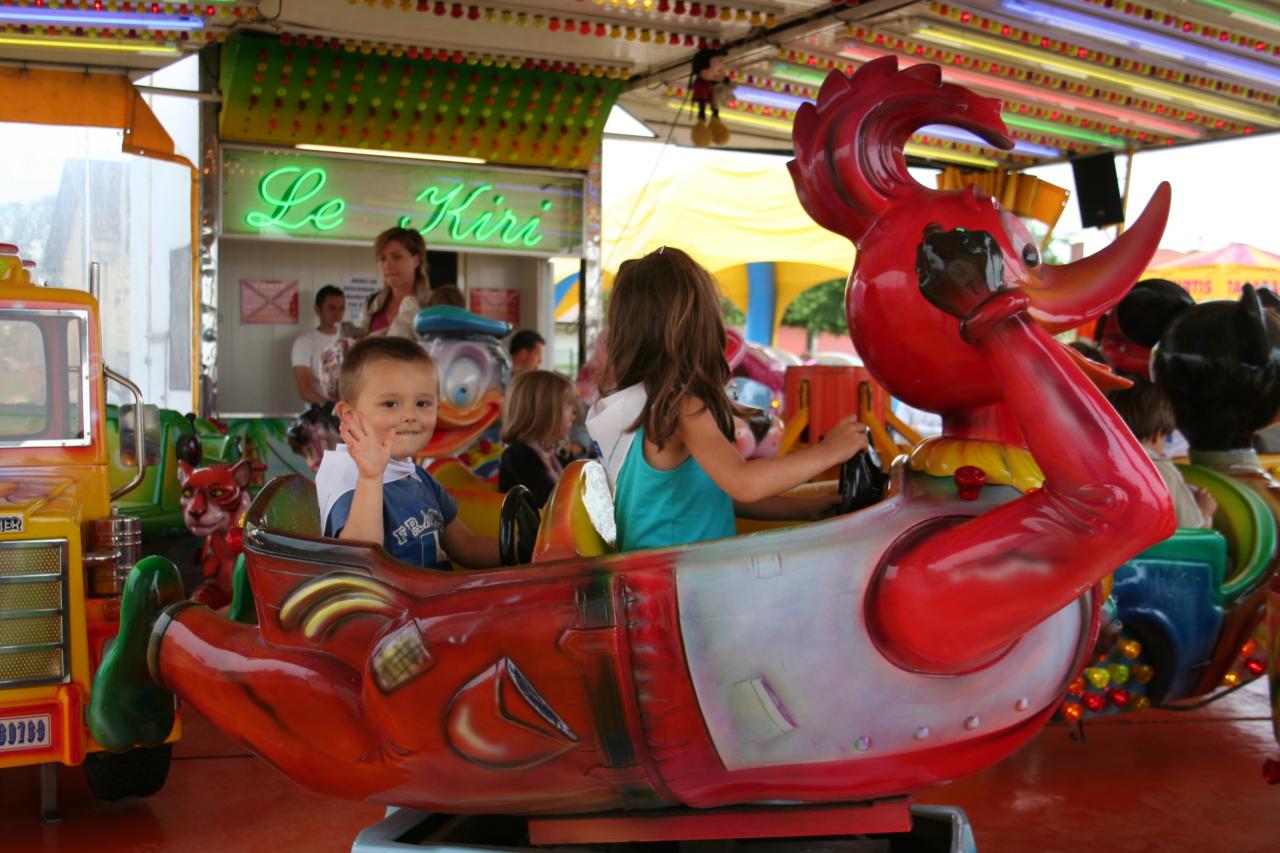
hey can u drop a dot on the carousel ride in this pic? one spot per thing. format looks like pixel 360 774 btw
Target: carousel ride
pixel 1068 91
pixel 860 657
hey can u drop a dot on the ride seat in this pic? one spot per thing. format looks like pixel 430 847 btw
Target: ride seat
pixel 288 505
pixel 1246 522
pixel 452 473
pixel 578 518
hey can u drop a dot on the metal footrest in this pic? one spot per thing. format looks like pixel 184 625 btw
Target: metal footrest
pixel 880 826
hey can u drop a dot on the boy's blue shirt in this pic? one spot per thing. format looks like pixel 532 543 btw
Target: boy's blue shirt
pixel 415 507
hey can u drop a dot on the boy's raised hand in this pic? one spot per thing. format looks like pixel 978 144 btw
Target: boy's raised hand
pixel 370 455
pixel 846 438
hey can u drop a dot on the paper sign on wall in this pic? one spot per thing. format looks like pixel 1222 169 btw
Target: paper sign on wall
pixel 268 301
pixel 357 289
pixel 496 304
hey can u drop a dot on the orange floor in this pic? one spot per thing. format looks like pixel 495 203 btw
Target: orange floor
pixel 1144 782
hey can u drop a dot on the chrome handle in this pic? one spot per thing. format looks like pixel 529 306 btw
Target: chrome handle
pixel 139 438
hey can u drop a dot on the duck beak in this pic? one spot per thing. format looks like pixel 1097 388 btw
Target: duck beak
pixel 1063 297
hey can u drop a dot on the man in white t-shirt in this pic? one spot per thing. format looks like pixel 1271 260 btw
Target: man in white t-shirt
pixel 309 347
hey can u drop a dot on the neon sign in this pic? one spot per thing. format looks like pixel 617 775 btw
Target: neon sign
pixel 448 208
pixel 324 217
pixel 315 198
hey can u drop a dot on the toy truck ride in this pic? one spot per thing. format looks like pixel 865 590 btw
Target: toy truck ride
pixel 64 556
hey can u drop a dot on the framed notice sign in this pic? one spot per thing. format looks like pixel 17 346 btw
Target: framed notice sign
pixel 358 289
pixel 496 304
pixel 268 301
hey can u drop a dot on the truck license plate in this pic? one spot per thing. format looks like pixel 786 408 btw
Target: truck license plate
pixel 30 732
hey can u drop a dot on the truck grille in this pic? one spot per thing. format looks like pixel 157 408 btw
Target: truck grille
pixel 33 612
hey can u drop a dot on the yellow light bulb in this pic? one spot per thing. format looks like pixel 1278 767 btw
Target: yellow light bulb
pixel 1141 703
pixel 1097 676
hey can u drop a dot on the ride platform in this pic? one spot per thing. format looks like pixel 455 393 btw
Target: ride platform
pixel 1157 780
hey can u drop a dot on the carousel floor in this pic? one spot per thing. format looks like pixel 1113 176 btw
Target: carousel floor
pixel 1166 781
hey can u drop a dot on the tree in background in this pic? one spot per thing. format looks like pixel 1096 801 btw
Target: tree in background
pixel 819 309
pixel 732 314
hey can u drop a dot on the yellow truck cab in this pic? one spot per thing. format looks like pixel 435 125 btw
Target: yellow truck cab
pixel 63 555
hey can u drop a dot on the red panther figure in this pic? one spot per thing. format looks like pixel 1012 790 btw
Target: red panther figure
pixel 214 501
pixel 917 640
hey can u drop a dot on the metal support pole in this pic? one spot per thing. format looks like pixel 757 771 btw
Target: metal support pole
pixel 762 298
pixel 1124 199
pixel 49 793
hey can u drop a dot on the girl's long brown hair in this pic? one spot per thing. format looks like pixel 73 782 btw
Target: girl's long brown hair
pixel 666 333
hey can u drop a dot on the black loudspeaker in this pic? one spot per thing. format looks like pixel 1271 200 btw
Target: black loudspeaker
pixel 1097 190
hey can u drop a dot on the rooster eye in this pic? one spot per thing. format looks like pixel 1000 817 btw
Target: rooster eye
pixel 1031 255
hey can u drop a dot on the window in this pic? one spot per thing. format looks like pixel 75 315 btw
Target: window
pixel 43 378
pixel 24 410
pixel 69 198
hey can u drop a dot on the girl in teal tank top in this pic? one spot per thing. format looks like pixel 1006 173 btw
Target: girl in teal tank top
pixel 666 435
pixel 656 508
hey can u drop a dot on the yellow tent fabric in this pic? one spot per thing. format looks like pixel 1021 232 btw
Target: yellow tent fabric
pixel 726 214
pixel 1221 273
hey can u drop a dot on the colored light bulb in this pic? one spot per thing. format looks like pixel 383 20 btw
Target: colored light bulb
pixel 1119 673
pixel 1130 649
pixel 1144 673
pixel 1095 701
pixel 1097 676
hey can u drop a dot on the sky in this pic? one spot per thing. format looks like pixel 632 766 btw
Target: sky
pixel 1223 192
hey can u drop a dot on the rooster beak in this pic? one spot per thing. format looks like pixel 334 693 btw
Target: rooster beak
pixel 1063 297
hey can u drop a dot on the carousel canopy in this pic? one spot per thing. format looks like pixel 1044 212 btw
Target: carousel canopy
pixel 1076 76
pixel 728 214
pixel 1221 273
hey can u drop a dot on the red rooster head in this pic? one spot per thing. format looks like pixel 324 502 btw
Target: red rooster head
pixel 851 176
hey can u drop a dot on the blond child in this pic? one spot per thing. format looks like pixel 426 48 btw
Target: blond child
pixel 537 415
pixel 369 488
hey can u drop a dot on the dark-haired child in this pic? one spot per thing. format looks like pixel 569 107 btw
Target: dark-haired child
pixel 665 429
pixel 1147 410
pixel 369 488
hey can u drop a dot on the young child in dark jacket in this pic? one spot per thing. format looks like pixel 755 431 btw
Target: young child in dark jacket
pixel 537 415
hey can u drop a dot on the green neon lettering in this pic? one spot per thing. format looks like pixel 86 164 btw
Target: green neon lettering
pixel 505 221
pixel 449 205
pixel 323 217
